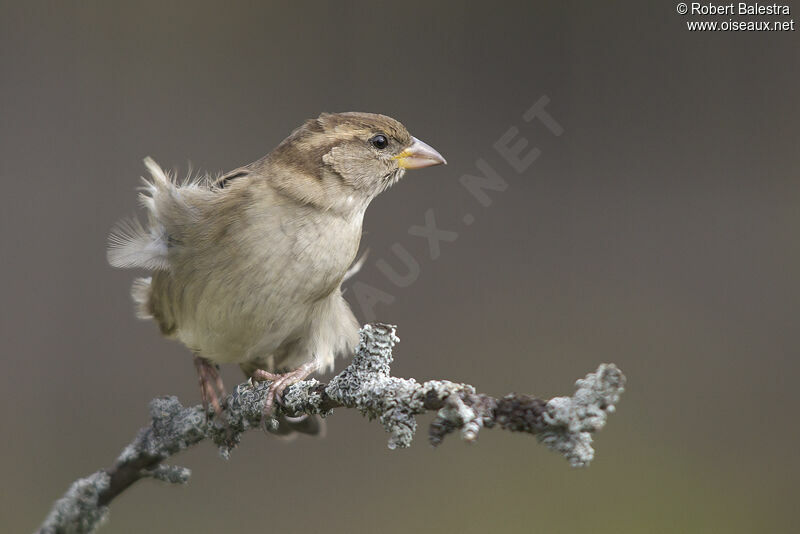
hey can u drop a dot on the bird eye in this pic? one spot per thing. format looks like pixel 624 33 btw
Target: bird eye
pixel 379 141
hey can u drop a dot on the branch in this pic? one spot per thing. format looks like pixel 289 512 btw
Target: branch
pixel 563 424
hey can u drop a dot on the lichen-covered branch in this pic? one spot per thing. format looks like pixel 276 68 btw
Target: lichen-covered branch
pixel 563 424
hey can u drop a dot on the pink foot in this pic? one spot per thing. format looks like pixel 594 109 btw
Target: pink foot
pixel 211 387
pixel 281 381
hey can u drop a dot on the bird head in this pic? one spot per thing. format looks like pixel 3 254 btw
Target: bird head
pixel 350 157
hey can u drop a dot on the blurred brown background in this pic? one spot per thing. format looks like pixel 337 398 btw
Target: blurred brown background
pixel 658 232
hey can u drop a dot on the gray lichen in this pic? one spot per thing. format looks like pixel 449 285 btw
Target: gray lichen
pixel 78 510
pixel 572 420
pixel 368 386
pixel 174 474
pixel 563 424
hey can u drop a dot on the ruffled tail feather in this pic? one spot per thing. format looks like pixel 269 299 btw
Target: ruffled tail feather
pixel 130 243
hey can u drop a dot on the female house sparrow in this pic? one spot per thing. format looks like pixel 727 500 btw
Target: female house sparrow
pixel 247 267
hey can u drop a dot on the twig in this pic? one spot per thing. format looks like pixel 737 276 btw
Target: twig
pixel 563 424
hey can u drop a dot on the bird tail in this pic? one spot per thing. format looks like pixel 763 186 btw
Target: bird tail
pixel 140 291
pixel 132 244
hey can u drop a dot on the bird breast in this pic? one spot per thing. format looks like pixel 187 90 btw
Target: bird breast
pixel 278 264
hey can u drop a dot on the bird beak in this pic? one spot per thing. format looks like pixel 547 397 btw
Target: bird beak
pixel 419 155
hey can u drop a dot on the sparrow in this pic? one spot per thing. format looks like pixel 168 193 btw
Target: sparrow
pixel 247 266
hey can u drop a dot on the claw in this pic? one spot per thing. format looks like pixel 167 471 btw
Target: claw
pixel 280 381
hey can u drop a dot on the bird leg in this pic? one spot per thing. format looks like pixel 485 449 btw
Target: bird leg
pixel 211 387
pixel 281 381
